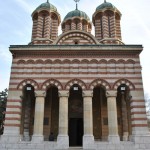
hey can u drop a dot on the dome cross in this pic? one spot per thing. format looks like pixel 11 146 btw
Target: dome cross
pixel 76 4
pixel 47 1
pixel 104 1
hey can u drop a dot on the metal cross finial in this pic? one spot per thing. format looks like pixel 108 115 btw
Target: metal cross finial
pixel 104 1
pixel 76 3
pixel 47 1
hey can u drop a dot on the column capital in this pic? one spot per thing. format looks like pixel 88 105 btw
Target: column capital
pixel 111 93
pixel 88 94
pixel 40 94
pixel 63 94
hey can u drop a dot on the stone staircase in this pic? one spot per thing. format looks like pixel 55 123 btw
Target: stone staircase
pixel 53 146
pixel 75 148
pixel 115 146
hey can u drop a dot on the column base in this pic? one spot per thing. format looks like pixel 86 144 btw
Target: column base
pixel 37 138
pixel 113 139
pixel 62 142
pixel 125 136
pixel 88 142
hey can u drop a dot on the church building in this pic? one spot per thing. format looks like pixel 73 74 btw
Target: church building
pixel 76 89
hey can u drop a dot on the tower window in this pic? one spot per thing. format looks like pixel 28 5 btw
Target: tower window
pixel 109 26
pixel 43 26
pixel 76 25
pixel 101 22
pixel 76 42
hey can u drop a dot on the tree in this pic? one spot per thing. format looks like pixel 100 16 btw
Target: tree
pixel 3 101
pixel 147 100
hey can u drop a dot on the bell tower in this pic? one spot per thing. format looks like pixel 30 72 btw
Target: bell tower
pixel 46 20
pixel 106 20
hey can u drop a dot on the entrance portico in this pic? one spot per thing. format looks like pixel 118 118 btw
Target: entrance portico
pixel 76 118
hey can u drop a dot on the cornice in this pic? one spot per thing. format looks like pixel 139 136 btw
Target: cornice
pixel 76 50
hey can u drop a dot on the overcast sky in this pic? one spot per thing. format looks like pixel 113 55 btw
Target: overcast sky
pixel 16 27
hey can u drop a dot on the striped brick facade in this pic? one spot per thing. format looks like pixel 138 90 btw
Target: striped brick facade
pixel 76 78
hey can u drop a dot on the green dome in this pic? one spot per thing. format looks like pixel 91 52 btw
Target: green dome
pixel 77 13
pixel 105 5
pixel 47 5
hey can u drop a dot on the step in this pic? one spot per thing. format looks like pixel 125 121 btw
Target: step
pixel 75 148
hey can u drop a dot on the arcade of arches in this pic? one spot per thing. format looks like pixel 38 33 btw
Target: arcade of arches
pixel 99 113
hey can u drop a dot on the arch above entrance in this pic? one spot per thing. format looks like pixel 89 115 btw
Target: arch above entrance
pixel 101 82
pixel 75 81
pixel 72 35
pixel 49 82
pixel 123 81
pixel 28 81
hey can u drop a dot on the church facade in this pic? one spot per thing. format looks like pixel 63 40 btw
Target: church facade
pixel 86 90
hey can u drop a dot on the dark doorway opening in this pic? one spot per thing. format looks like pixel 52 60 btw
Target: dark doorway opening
pixel 75 131
pixel 75 116
pixel 51 113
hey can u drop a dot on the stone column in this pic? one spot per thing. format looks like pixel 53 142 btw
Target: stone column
pixel 88 138
pixel 112 116
pixel 124 118
pixel 38 117
pixel 63 139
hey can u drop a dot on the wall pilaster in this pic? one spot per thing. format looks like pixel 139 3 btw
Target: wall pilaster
pixel 138 117
pixel 13 117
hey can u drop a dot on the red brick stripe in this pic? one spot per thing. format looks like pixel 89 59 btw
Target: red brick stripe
pixel 13 112
pixel 12 125
pixel 137 106
pixel 138 119
pixel 13 106
pixel 73 72
pixel 10 118
pixel 142 112
pixel 132 101
pixel 44 78
pixel 13 100
pixel 139 125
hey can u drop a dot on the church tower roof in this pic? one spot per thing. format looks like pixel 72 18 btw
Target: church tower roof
pixel 46 20
pixel 46 6
pixel 76 20
pixel 105 5
pixel 77 13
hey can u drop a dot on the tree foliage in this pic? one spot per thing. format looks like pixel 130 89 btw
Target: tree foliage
pixel 147 100
pixel 3 101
